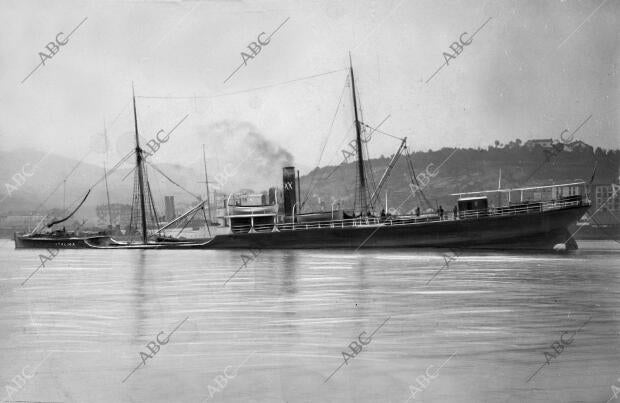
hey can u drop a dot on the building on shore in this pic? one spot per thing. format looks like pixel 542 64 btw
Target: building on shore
pixel 170 213
pixel 18 223
pixel 121 214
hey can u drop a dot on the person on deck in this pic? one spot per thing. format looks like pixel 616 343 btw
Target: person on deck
pixel 455 210
pixel 417 211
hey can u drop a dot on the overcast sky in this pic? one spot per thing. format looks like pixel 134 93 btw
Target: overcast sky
pixel 535 69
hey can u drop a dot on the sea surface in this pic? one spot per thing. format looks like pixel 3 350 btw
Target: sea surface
pixel 309 326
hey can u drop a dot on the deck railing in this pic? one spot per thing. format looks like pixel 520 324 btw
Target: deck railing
pixel 409 219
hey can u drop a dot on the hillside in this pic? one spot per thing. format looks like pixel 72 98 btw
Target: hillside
pixel 463 170
pixel 466 170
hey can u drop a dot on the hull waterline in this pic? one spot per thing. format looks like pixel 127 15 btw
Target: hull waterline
pixel 535 231
pixel 538 231
pixel 41 242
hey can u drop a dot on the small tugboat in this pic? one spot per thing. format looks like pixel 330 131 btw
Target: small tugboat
pixel 60 238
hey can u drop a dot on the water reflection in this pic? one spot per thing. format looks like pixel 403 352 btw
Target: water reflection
pixel 139 294
pixel 289 273
pixel 498 312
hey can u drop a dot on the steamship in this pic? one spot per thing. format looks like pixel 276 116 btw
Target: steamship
pixel 537 220
pixel 539 223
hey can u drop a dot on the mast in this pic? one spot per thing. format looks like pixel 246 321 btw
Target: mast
pixel 105 173
pixel 107 192
pixel 204 161
pixel 139 166
pixel 298 193
pixel 360 157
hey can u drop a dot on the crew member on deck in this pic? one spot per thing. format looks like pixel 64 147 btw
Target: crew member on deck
pixel 417 211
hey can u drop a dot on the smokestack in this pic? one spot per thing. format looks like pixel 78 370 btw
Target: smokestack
pixel 288 186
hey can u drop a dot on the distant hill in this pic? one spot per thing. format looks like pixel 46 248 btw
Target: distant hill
pixel 465 170
pixel 45 190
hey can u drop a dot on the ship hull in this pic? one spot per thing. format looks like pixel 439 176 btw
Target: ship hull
pixel 532 231
pixel 39 242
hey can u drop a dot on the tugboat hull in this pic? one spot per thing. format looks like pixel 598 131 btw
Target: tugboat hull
pixel 42 242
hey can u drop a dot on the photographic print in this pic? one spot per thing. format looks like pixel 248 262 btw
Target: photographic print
pixel 309 201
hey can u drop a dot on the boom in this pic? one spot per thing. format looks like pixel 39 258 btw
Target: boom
pixel 387 172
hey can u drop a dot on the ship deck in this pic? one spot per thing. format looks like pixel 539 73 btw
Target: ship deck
pixel 429 218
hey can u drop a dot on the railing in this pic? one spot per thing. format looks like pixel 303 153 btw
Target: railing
pixel 358 222
pixel 462 215
pixel 520 209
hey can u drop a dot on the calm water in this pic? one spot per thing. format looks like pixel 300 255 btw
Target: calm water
pixel 280 326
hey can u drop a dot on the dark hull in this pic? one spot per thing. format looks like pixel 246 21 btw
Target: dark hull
pixel 40 242
pixel 531 231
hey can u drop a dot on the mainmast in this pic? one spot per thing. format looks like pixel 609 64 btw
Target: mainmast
pixel 360 157
pixel 140 168
pixel 204 161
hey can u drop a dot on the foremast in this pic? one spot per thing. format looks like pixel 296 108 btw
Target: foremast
pixel 139 166
pixel 360 157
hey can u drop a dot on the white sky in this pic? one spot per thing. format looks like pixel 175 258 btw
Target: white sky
pixel 537 68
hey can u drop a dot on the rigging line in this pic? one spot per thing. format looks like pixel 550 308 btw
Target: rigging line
pixel 330 161
pixel 133 203
pixel 368 138
pixel 158 184
pixel 382 132
pixel 204 214
pixel 128 173
pixel 154 217
pixel 135 210
pixel 611 236
pixel 243 91
pixel 61 182
pixel 152 202
pixel 367 153
pixel 63 219
pixel 331 126
pixel 410 163
pixel 369 168
pixel 357 193
pixel 187 221
pixel 370 174
pixel 115 168
pixel 329 132
pixel 120 113
pixel 173 182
